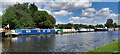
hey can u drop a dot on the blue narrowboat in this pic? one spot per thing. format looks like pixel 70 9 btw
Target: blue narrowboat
pixel 34 31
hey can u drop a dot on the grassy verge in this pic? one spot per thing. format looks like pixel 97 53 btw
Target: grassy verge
pixel 109 48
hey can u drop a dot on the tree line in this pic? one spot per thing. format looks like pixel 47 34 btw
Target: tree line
pixel 109 24
pixel 27 16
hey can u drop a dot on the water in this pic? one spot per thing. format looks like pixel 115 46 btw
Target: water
pixel 72 42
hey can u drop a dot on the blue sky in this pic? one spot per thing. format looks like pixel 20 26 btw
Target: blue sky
pixel 113 6
pixel 76 12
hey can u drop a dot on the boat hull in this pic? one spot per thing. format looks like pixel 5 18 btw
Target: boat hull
pixel 101 30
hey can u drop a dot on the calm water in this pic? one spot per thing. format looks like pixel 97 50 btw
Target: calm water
pixel 72 42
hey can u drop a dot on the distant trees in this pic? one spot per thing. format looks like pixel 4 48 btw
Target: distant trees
pixel 99 26
pixel 115 25
pixel 70 26
pixel 109 23
pixel 91 26
pixel 27 16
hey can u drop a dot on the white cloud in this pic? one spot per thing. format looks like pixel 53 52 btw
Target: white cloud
pixel 62 13
pixel 6 3
pixel 91 12
pixel 81 20
pixel 89 0
pixel 1 13
pixel 67 5
pixel 60 23
pixel 49 6
pixel 70 0
pixel 64 7
pixel 95 0
pixel 103 12
pixel 88 12
pixel 49 12
pixel 41 9
pixel 105 0
pixel 74 19
pixel 22 1
pixel 92 16
pixel 114 17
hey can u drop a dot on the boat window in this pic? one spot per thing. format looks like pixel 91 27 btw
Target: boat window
pixel 17 30
pixel 28 31
pixel 43 30
pixel 38 30
pixel 48 30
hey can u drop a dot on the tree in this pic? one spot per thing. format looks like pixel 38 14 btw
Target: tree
pixel 17 16
pixel 33 8
pixel 52 21
pixel 69 26
pixel 109 23
pixel 115 25
pixel 27 16
pixel 43 20
pixel 61 26
pixel 91 26
pixel 84 26
pixel 99 26
pixel 76 26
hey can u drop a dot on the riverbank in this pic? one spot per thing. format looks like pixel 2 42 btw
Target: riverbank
pixel 110 47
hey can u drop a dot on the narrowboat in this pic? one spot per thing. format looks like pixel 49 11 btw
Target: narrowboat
pixel 33 31
pixel 101 29
pixel 84 30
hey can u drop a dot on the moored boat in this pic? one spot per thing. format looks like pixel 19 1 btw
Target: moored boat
pixel 101 29
pixel 34 31
pixel 30 32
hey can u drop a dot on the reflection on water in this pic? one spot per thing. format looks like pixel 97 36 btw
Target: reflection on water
pixel 72 42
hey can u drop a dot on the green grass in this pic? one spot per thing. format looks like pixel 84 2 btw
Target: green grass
pixel 110 47
pixel 106 49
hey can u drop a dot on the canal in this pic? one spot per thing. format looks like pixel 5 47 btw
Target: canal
pixel 70 42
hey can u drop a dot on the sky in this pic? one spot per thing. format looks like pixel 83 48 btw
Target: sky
pixel 90 12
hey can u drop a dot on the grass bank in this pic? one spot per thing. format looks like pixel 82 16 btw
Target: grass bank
pixel 110 47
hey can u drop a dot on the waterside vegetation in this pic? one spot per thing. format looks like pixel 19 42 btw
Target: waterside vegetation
pixel 26 16
pixel 110 47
